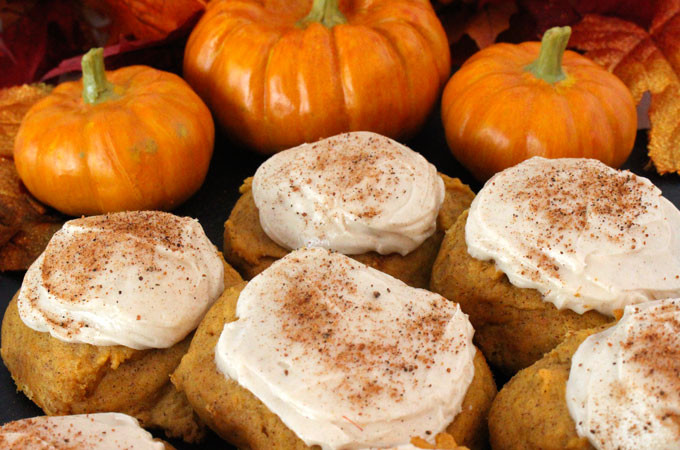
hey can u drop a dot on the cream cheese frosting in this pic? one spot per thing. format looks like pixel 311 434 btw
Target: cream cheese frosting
pixel 352 193
pixel 623 390
pixel 584 235
pixel 102 431
pixel 139 279
pixel 347 356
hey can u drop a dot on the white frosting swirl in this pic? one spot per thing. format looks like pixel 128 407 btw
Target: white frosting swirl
pixel 584 235
pixel 102 431
pixel 139 279
pixel 352 193
pixel 623 390
pixel 347 356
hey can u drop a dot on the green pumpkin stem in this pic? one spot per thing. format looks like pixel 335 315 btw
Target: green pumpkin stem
pixel 96 88
pixel 548 65
pixel 326 12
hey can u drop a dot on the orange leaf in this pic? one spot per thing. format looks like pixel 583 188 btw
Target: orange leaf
pixel 14 103
pixel 146 19
pixel 490 21
pixel 443 441
pixel 645 60
pixel 25 225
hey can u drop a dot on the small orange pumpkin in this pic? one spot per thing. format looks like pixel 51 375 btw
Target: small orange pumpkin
pixel 278 73
pixel 131 139
pixel 510 102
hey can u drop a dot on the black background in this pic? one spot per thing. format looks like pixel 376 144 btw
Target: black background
pixel 213 202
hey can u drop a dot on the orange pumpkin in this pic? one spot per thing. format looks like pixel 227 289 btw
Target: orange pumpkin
pixel 509 102
pixel 140 140
pixel 277 73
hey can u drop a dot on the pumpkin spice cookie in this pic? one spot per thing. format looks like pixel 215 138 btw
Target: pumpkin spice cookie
pixel 553 246
pixel 603 388
pixel 102 431
pixel 105 314
pixel 360 194
pixel 321 351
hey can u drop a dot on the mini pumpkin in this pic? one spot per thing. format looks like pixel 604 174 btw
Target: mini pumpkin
pixel 279 73
pixel 131 139
pixel 510 102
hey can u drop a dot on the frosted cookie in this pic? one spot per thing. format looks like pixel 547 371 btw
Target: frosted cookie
pixel 615 388
pixel 321 351
pixel 552 246
pixel 360 194
pixel 102 431
pixel 105 314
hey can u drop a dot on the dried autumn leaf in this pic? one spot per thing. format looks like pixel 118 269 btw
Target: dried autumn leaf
pixel 490 21
pixel 639 12
pixel 645 60
pixel 25 224
pixel 37 37
pixel 443 441
pixel 471 26
pixel 14 103
pixel 145 19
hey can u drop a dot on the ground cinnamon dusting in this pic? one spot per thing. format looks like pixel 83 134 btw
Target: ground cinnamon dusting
pixel 654 350
pixel 585 197
pixel 355 170
pixel 318 309
pixel 74 265
pixel 40 432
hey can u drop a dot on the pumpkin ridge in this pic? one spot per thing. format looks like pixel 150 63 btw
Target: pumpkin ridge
pixel 570 120
pixel 517 83
pixel 419 26
pixel 88 174
pixel 404 70
pixel 112 155
pixel 610 155
pixel 215 66
pixel 163 181
pixel 224 39
pixel 265 88
pixel 336 65
pixel 221 37
pixel 527 111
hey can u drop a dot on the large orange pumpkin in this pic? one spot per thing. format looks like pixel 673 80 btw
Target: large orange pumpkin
pixel 277 73
pixel 509 102
pixel 131 139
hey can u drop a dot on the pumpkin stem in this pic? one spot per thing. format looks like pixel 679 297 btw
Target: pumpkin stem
pixel 326 12
pixel 548 65
pixel 96 88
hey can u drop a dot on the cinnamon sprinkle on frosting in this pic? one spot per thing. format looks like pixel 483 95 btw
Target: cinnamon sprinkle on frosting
pixel 624 385
pixel 356 349
pixel 584 235
pixel 353 193
pixel 149 273
pixel 103 431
